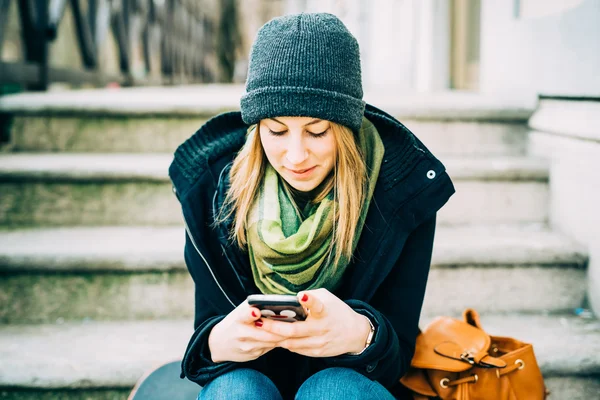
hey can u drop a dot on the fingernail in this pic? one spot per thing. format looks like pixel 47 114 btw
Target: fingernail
pixel 254 314
pixel 305 297
pixel 258 323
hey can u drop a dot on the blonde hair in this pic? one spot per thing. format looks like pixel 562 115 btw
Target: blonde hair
pixel 348 182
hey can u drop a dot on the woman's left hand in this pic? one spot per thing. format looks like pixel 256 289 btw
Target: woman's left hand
pixel 331 328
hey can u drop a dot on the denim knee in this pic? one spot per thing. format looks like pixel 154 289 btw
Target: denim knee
pixel 341 383
pixel 241 384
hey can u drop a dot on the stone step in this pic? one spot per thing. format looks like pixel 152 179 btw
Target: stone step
pixel 134 189
pixel 100 273
pixel 127 273
pixel 152 134
pixel 93 357
pixel 470 138
pixel 90 355
pixel 158 119
pixel 498 190
pixel 86 189
pixel 504 269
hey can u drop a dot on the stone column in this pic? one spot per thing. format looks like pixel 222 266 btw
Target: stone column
pixel 407 45
pixel 404 44
pixel 432 52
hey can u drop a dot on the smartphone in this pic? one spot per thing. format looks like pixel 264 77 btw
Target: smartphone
pixel 279 307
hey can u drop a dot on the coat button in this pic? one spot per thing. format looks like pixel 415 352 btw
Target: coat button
pixel 431 174
pixel 370 367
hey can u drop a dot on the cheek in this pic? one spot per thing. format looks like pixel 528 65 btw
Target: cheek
pixel 269 146
pixel 327 151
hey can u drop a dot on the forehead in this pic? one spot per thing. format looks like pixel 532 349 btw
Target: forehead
pixel 296 121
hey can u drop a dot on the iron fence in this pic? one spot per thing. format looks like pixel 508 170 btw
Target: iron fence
pixel 179 33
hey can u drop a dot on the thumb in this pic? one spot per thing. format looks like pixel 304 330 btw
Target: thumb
pixel 311 302
pixel 247 314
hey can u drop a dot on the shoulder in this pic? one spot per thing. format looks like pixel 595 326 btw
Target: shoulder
pixel 411 177
pixel 219 138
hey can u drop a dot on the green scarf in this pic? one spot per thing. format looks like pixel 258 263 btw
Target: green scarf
pixel 290 253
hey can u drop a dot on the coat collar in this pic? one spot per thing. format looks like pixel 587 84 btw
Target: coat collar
pixel 225 134
pixel 412 185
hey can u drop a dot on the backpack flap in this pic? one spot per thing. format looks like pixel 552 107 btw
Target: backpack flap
pixel 451 345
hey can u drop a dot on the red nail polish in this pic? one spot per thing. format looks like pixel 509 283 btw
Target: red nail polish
pixel 254 314
pixel 305 297
pixel 258 323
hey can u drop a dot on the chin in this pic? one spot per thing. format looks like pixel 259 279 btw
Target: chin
pixel 303 186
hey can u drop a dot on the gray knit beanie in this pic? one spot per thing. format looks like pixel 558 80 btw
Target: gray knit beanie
pixel 304 65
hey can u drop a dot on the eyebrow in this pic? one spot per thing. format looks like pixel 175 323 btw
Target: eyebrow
pixel 314 121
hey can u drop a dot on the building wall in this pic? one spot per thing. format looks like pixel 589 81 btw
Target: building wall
pixel 404 43
pixel 525 53
pixel 527 46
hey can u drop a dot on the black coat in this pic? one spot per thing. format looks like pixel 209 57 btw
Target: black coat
pixel 385 280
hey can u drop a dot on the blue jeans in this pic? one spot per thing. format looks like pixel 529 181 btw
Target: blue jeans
pixel 330 384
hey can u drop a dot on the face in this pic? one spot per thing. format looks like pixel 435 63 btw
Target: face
pixel 301 149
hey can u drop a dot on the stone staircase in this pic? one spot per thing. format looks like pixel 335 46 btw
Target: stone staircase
pixel 94 290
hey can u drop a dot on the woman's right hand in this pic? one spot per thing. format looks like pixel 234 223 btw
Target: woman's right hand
pixel 237 338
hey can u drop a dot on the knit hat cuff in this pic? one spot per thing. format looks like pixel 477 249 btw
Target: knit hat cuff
pixel 287 101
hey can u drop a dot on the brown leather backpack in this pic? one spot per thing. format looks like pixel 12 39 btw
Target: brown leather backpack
pixel 458 360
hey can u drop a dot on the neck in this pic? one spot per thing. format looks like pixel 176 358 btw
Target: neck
pixel 304 197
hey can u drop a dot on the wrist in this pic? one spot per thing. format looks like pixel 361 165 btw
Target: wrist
pixel 367 331
pixel 213 347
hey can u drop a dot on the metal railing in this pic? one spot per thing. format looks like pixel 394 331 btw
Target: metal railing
pixel 177 32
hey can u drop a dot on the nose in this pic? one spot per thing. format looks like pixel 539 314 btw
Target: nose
pixel 296 152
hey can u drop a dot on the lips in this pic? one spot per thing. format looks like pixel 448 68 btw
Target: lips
pixel 301 171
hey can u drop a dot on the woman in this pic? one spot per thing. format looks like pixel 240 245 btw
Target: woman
pixel 312 192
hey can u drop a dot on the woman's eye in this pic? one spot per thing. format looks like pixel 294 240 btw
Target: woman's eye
pixel 276 133
pixel 313 134
pixel 318 134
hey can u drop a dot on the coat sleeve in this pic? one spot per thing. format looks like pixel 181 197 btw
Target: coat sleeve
pixel 197 364
pixel 395 310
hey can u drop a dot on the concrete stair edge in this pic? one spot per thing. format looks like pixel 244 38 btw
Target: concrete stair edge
pixel 139 248
pixel 567 388
pixel 155 134
pixel 86 167
pixel 116 354
pixel 207 100
pixel 139 273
